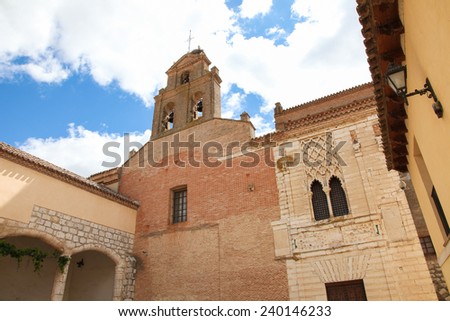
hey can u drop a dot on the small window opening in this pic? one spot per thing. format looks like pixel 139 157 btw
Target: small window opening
pixel 167 121
pixel 179 205
pixel 184 77
pixel 198 109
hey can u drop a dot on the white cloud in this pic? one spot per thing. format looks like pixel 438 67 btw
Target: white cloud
pixel 46 69
pixel 252 8
pixel 130 42
pixel 133 43
pixel 275 31
pixel 262 126
pixel 323 55
pixel 233 105
pixel 82 150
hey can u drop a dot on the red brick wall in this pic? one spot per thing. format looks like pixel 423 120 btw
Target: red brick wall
pixel 224 251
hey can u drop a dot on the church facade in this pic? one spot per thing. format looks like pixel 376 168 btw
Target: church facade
pixel 308 212
pixel 345 229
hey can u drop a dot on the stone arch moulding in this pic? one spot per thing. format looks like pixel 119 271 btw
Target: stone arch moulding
pixel 116 258
pixel 45 237
pixel 120 281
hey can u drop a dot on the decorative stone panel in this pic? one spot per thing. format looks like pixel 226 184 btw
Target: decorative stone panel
pixel 342 269
pixel 337 234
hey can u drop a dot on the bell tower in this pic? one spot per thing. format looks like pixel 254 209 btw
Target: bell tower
pixel 192 95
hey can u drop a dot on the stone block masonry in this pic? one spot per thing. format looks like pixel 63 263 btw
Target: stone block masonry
pixel 76 232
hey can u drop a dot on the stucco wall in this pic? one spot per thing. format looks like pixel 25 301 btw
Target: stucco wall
pixel 21 188
pixel 426 45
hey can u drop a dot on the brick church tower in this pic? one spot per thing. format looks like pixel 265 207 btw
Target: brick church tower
pixel 192 94
pixel 203 228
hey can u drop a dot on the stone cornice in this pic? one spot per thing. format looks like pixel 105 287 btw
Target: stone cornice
pixel 327 98
pixel 338 115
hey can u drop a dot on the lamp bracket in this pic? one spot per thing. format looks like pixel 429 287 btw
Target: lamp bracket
pixel 427 89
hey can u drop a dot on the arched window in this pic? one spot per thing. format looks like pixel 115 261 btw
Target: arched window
pixel 184 77
pixel 319 202
pixel 337 197
pixel 168 117
pixel 197 105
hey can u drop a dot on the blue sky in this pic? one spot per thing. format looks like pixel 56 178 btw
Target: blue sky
pixel 77 74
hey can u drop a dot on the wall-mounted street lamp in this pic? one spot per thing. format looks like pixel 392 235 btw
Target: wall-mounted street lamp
pixel 396 79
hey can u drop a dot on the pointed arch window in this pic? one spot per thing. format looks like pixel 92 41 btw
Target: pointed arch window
pixel 319 201
pixel 337 197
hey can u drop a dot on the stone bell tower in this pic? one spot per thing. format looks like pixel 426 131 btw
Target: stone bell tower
pixel 192 95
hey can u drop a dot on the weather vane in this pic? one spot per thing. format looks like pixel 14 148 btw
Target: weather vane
pixel 189 41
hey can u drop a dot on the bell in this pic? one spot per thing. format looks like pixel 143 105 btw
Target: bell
pixel 170 117
pixel 200 106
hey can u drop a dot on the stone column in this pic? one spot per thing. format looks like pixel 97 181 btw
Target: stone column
pixel 59 283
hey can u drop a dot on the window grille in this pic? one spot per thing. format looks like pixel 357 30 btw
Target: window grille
pixel 440 211
pixel 179 213
pixel 319 202
pixel 338 198
pixel 427 245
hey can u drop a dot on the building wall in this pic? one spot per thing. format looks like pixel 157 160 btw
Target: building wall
pixel 225 250
pixel 22 188
pixel 69 219
pixel 426 45
pixel 376 242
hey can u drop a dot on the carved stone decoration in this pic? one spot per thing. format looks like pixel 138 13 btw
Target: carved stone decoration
pixel 320 163
pixel 342 268
pixel 355 143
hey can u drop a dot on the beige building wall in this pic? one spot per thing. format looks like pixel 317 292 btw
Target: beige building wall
pixel 42 206
pixel 376 242
pixel 23 187
pixel 426 46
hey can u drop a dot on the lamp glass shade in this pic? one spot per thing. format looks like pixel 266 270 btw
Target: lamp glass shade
pixel 396 78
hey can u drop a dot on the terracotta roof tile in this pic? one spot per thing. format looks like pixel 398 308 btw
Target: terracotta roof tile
pixel 20 157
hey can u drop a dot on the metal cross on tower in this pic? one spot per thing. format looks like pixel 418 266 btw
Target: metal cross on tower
pixel 189 41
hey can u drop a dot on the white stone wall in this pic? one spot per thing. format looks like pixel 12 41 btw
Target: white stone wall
pixel 376 242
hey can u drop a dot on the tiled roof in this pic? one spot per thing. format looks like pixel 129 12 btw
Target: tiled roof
pixel 328 97
pixel 22 158
pixel 331 112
